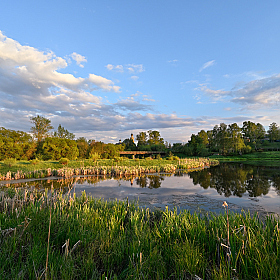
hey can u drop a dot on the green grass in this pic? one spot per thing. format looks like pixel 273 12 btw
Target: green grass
pixel 95 239
pixel 13 169
pixel 256 158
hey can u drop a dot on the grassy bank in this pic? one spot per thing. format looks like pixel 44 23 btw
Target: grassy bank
pixel 12 169
pixel 83 238
pixel 256 158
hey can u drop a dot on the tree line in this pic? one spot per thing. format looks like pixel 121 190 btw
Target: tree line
pixel 43 144
pixel 229 139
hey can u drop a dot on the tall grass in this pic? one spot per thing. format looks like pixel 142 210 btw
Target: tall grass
pixel 96 239
pixel 113 167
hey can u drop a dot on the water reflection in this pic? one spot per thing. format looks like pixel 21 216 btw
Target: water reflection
pixel 227 179
pixel 151 181
pixel 237 179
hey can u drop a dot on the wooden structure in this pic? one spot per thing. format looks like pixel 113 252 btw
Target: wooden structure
pixel 134 153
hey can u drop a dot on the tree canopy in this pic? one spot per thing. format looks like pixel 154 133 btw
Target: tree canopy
pixel 41 127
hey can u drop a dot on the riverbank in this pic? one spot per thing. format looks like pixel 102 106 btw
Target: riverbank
pixel 68 238
pixel 15 170
pixel 260 158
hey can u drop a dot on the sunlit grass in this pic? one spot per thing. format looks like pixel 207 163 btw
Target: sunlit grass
pixel 95 239
pixel 256 158
pixel 41 169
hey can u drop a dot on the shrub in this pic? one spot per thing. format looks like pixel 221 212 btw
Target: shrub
pixel 64 161
pixel 35 161
pixel 10 162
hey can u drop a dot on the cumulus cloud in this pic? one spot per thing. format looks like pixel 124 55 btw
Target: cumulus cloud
pixel 78 58
pixel 31 83
pixel 206 65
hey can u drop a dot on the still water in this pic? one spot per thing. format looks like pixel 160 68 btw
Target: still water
pixel 242 186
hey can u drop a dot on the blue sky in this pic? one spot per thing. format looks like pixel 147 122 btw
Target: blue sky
pixel 106 69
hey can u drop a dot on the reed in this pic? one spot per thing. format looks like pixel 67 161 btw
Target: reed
pixel 27 170
pixel 97 239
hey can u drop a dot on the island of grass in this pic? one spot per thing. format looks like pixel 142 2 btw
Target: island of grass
pixel 13 170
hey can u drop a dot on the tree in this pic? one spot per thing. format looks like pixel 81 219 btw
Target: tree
pixel 273 132
pixel 83 146
pixel 41 127
pixel 16 144
pixel 142 139
pixel 204 137
pixel 56 148
pixel 63 133
pixel 253 132
pixel 235 141
pixel 155 138
pixel 129 144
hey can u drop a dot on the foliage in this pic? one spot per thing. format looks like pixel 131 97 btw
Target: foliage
pixel 104 150
pixel 253 132
pixel 64 161
pixel 63 133
pixel 273 132
pixel 54 148
pixel 142 139
pixel 83 147
pixel 16 144
pixel 10 162
pixel 41 127
pixel 155 138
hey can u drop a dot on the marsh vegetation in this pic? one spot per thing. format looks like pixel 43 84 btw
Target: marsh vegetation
pixel 55 236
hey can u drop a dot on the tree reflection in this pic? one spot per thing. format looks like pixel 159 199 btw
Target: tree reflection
pixel 150 181
pixel 235 179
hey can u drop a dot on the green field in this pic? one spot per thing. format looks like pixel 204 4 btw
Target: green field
pixel 256 158
pixel 64 237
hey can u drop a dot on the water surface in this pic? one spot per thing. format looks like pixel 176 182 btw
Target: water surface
pixel 242 186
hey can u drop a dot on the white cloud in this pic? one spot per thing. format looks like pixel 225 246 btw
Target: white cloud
pixel 78 58
pixel 259 93
pixel 131 68
pixel 173 61
pixel 135 78
pixel 206 65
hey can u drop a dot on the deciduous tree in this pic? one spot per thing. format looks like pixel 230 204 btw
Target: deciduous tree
pixel 41 127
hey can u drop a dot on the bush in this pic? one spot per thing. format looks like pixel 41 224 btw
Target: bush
pixel 34 161
pixel 10 162
pixel 64 161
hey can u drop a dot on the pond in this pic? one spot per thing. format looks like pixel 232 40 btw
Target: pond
pixel 243 187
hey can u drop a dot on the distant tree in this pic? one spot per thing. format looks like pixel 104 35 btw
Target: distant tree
pixel 177 148
pixel 155 138
pixel 142 139
pixel 253 132
pixel 129 144
pixel 112 150
pixel 204 137
pixel 16 144
pixel 55 148
pixel 83 147
pixel 235 141
pixel 63 133
pixel 196 146
pixel 41 127
pixel 273 132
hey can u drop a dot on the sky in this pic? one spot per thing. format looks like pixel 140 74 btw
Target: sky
pixel 106 69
